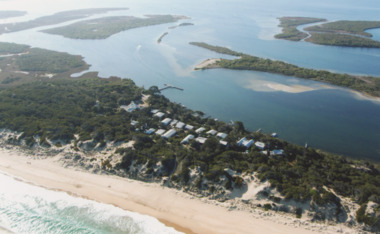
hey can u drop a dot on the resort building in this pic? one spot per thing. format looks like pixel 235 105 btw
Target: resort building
pixel 150 131
pixel 180 125
pixel 245 142
pixel 154 111
pixel 260 145
pixel 224 143
pixel 187 139
pixel 131 107
pixel 221 135
pixel 174 122
pixel 212 132
pixel 277 152
pixel 199 130
pixel 160 131
pixel 166 121
pixel 159 115
pixel 201 140
pixel 189 127
pixel 169 133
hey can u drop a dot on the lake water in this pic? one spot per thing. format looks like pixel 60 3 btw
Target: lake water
pixel 326 117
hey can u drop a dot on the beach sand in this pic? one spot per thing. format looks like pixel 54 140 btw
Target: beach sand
pixel 206 63
pixel 175 208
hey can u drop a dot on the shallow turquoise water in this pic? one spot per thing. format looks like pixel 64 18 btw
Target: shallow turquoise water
pixel 25 208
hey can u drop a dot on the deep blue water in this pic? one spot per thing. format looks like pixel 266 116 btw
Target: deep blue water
pixel 332 119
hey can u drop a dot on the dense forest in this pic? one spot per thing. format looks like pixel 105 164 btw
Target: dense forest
pixel 368 85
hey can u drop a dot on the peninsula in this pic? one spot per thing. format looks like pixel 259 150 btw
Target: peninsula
pixel 338 33
pixel 111 126
pixel 367 85
pixel 105 27
pixel 57 18
pixel 10 14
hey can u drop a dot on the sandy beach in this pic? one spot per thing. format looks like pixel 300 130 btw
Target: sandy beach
pixel 172 207
pixel 206 63
pixel 182 211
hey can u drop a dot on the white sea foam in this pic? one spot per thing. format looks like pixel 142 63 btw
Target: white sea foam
pixel 26 208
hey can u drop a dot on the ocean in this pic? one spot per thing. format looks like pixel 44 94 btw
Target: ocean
pixel 27 208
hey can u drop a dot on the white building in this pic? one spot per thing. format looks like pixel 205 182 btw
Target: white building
pixel 222 135
pixel 166 121
pixel 277 152
pixel 245 142
pixel 159 115
pixel 201 140
pixel 240 142
pixel 160 131
pixel 212 132
pixel 224 143
pixel 169 133
pixel 187 139
pixel 260 145
pixel 154 111
pixel 131 107
pixel 248 143
pixel 180 125
pixel 150 131
pixel 134 122
pixel 199 130
pixel 174 121
pixel 189 127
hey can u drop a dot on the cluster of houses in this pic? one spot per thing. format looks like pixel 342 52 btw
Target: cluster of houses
pixel 176 125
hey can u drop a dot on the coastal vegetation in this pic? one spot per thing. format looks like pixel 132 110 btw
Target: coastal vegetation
pixel 289 27
pixel 105 27
pixel 85 113
pixel 48 61
pixel 56 18
pixel 342 40
pixel 12 48
pixel 338 33
pixel 22 64
pixel 367 85
pixel 10 14
pixel 346 27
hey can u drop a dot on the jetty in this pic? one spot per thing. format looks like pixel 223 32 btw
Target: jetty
pixel 168 86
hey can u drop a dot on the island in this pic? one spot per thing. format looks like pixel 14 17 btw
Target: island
pixel 365 84
pixel 161 37
pixel 339 33
pixel 56 18
pixel 105 27
pixel 111 126
pixel 289 27
pixel 11 14
pixel 181 25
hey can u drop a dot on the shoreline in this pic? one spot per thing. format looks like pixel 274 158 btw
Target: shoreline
pixel 174 208
pixel 207 63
